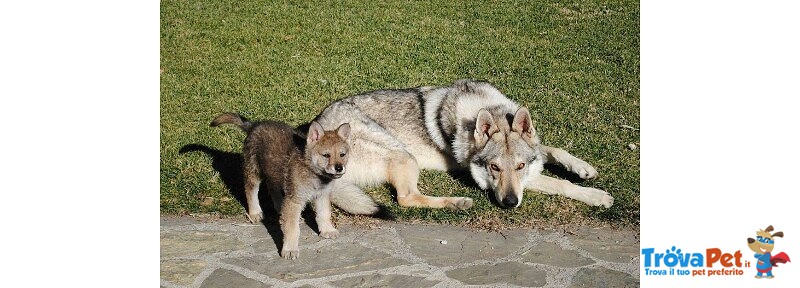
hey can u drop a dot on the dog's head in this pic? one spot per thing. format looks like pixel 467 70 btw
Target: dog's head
pixel 328 150
pixel 764 241
pixel 507 154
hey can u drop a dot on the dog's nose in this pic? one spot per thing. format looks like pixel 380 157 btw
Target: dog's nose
pixel 510 201
pixel 338 167
pixel 750 240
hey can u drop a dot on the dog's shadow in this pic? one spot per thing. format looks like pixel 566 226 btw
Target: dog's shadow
pixel 229 166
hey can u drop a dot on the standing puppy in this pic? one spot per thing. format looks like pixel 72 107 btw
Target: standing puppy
pixel 303 172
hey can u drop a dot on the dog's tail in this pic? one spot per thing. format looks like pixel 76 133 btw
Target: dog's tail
pixel 351 199
pixel 232 118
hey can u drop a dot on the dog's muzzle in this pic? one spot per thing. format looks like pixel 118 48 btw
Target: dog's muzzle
pixel 509 201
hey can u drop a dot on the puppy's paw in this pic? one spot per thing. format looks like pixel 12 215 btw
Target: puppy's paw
pixel 255 217
pixel 582 169
pixel 460 203
pixel 290 253
pixel 329 234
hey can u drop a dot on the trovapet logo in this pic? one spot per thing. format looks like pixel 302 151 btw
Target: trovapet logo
pixel 715 261
pixel 673 261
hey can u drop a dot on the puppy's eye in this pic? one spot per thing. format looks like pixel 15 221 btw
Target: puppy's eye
pixel 342 154
pixel 326 155
pixel 495 168
pixel 520 166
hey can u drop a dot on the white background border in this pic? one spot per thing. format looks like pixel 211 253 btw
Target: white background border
pixel 80 92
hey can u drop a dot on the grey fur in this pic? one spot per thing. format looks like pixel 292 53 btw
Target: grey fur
pixel 398 132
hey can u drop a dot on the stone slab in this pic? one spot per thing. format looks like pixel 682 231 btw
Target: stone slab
pixel 462 246
pixel 507 272
pixel 380 280
pixel 340 259
pixel 228 278
pixel 603 277
pixel 181 271
pixel 549 253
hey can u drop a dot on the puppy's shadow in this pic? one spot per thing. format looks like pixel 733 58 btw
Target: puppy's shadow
pixel 229 166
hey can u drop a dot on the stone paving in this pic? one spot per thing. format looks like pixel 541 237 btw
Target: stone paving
pixel 230 253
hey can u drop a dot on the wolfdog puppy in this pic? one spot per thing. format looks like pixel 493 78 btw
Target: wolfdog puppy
pixel 295 172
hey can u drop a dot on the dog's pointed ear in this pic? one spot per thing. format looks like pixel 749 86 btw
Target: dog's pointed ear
pixel 523 124
pixel 484 128
pixel 315 132
pixel 344 131
pixel 769 229
pixel 777 234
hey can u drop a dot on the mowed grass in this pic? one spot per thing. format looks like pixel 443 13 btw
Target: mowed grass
pixel 575 65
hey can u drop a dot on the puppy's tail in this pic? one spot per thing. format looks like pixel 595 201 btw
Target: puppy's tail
pixel 351 199
pixel 232 118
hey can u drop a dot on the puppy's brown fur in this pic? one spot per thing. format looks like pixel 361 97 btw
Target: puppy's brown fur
pixel 295 172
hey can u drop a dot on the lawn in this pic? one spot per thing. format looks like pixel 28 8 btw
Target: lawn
pixel 574 64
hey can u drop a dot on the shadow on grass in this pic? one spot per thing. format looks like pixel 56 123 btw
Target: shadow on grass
pixel 561 172
pixel 229 166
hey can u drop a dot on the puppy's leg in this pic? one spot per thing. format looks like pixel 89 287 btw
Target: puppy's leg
pixel 252 180
pixel 553 186
pixel 277 199
pixel 322 207
pixel 403 173
pixel 558 156
pixel 290 226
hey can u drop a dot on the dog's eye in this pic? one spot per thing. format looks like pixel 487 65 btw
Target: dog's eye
pixel 342 154
pixel 326 155
pixel 494 167
pixel 520 166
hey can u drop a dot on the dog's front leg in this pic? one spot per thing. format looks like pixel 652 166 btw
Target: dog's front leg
pixel 322 207
pixel 558 156
pixel 553 186
pixel 290 226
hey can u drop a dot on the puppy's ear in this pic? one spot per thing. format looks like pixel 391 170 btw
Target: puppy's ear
pixel 523 124
pixel 344 131
pixel 484 128
pixel 315 132
pixel 777 234
pixel 769 229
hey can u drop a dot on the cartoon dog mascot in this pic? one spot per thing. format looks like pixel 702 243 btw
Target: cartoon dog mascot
pixel 763 245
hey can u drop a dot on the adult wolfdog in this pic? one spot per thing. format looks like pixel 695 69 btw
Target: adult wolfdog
pixel 469 125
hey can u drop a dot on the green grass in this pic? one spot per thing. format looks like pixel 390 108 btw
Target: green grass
pixel 575 65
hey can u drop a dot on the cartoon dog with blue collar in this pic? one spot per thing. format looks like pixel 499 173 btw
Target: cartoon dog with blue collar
pixel 763 245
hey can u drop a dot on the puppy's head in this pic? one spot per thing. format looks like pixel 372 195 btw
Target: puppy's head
pixel 328 150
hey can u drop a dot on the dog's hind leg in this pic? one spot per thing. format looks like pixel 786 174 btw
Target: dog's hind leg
pixel 558 156
pixel 553 186
pixel 402 172
pixel 377 156
pixel 252 181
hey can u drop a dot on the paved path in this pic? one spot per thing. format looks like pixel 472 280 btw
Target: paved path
pixel 231 253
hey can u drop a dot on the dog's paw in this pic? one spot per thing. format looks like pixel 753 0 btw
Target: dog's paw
pixel 583 169
pixel 290 253
pixel 460 203
pixel 602 198
pixel 255 217
pixel 329 234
